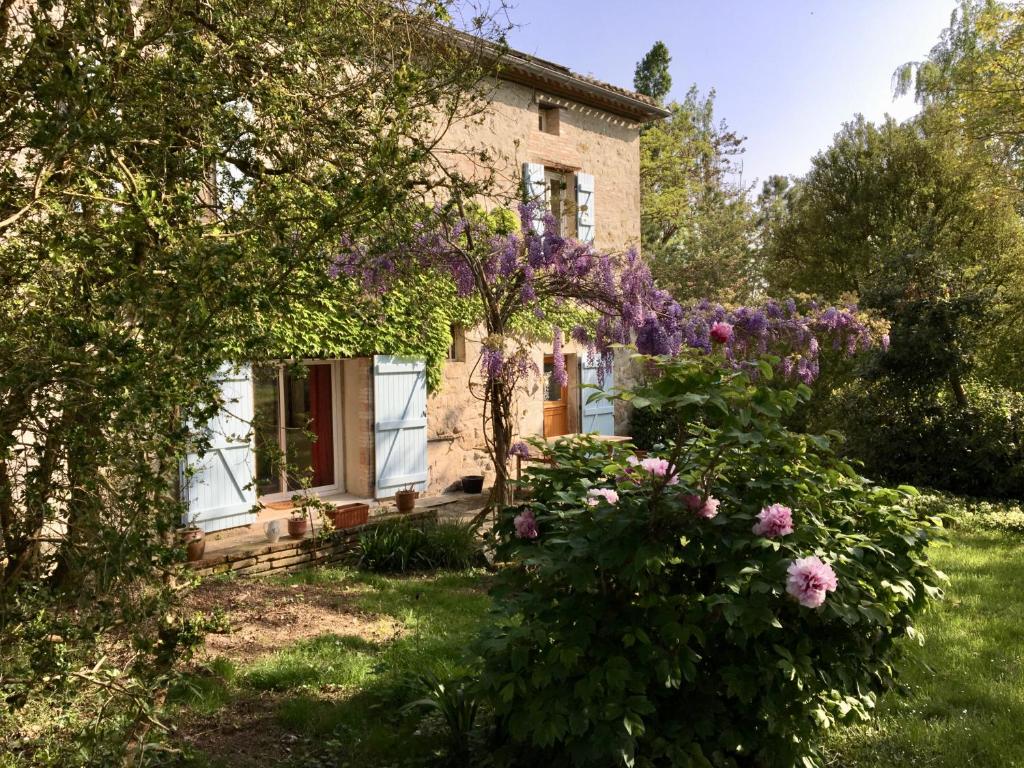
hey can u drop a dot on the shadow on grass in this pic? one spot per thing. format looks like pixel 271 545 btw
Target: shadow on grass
pixel 344 696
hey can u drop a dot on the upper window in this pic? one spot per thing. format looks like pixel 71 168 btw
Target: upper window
pixel 548 119
pixel 561 202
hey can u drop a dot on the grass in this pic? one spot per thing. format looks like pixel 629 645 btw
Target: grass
pixel 962 704
pixel 964 699
pixel 344 695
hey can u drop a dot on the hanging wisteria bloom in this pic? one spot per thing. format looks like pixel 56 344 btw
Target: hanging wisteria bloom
pixel 706 508
pixel 594 496
pixel 744 334
pixel 520 449
pixel 526 525
pixel 774 521
pixel 809 579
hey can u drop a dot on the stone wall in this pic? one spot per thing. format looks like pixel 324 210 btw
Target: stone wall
pixel 291 555
pixel 589 140
pixel 357 409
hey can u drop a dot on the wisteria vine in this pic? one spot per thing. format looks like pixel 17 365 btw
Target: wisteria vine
pixel 523 278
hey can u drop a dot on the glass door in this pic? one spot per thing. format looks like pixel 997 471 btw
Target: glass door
pixel 295 426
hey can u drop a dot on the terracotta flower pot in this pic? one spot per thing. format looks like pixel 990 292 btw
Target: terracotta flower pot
pixel 194 540
pixel 406 500
pixel 350 515
pixel 297 527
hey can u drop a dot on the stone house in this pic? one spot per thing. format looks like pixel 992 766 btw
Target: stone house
pixel 558 136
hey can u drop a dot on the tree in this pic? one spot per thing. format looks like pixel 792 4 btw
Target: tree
pixel 917 224
pixel 696 219
pixel 170 171
pixel 976 74
pixel 528 284
pixel 652 77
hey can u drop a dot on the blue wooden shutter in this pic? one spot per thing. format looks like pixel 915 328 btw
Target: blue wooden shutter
pixel 535 189
pixel 585 221
pixel 598 412
pixel 218 486
pixel 400 423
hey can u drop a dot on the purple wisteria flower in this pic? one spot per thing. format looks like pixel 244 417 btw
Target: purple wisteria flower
pixel 808 579
pixel 520 449
pixel 774 521
pixel 558 360
pixel 594 496
pixel 526 525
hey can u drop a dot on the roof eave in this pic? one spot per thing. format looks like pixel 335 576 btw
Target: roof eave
pixel 525 72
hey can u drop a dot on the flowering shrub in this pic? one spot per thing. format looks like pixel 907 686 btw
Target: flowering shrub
pixel 713 604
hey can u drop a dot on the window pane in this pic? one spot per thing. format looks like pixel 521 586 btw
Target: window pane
pixel 552 391
pixel 265 385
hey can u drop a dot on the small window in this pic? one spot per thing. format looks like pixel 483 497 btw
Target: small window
pixel 561 203
pixel 457 350
pixel 548 120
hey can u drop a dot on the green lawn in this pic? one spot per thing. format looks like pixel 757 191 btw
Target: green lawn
pixel 965 688
pixel 339 699
pixel 964 701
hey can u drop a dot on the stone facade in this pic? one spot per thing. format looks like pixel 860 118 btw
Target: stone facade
pixel 575 138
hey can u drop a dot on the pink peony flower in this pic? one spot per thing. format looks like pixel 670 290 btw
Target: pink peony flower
pixel 721 332
pixel 809 579
pixel 594 494
pixel 774 521
pixel 706 508
pixel 526 525
pixel 709 508
pixel 659 468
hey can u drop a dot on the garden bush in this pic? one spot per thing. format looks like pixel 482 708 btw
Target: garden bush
pixel 717 604
pixel 929 440
pixel 398 546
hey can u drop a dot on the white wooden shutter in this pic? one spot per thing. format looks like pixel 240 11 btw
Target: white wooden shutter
pixel 585 221
pixel 218 486
pixel 535 189
pixel 599 413
pixel 400 423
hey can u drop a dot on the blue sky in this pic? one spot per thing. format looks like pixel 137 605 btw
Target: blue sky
pixel 788 73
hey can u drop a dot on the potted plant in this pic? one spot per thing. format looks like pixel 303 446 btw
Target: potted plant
pixel 298 523
pixel 350 515
pixel 194 539
pixel 405 499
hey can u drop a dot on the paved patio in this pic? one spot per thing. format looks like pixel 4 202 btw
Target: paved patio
pixel 249 540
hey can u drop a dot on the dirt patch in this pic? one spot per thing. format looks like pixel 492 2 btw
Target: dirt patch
pixel 245 734
pixel 264 617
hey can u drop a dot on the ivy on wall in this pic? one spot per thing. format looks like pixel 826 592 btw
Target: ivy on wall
pixel 341 320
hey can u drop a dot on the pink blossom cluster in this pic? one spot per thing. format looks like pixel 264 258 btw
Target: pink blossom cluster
pixel 655 466
pixel 808 579
pixel 526 525
pixel 594 495
pixel 774 521
pixel 701 506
